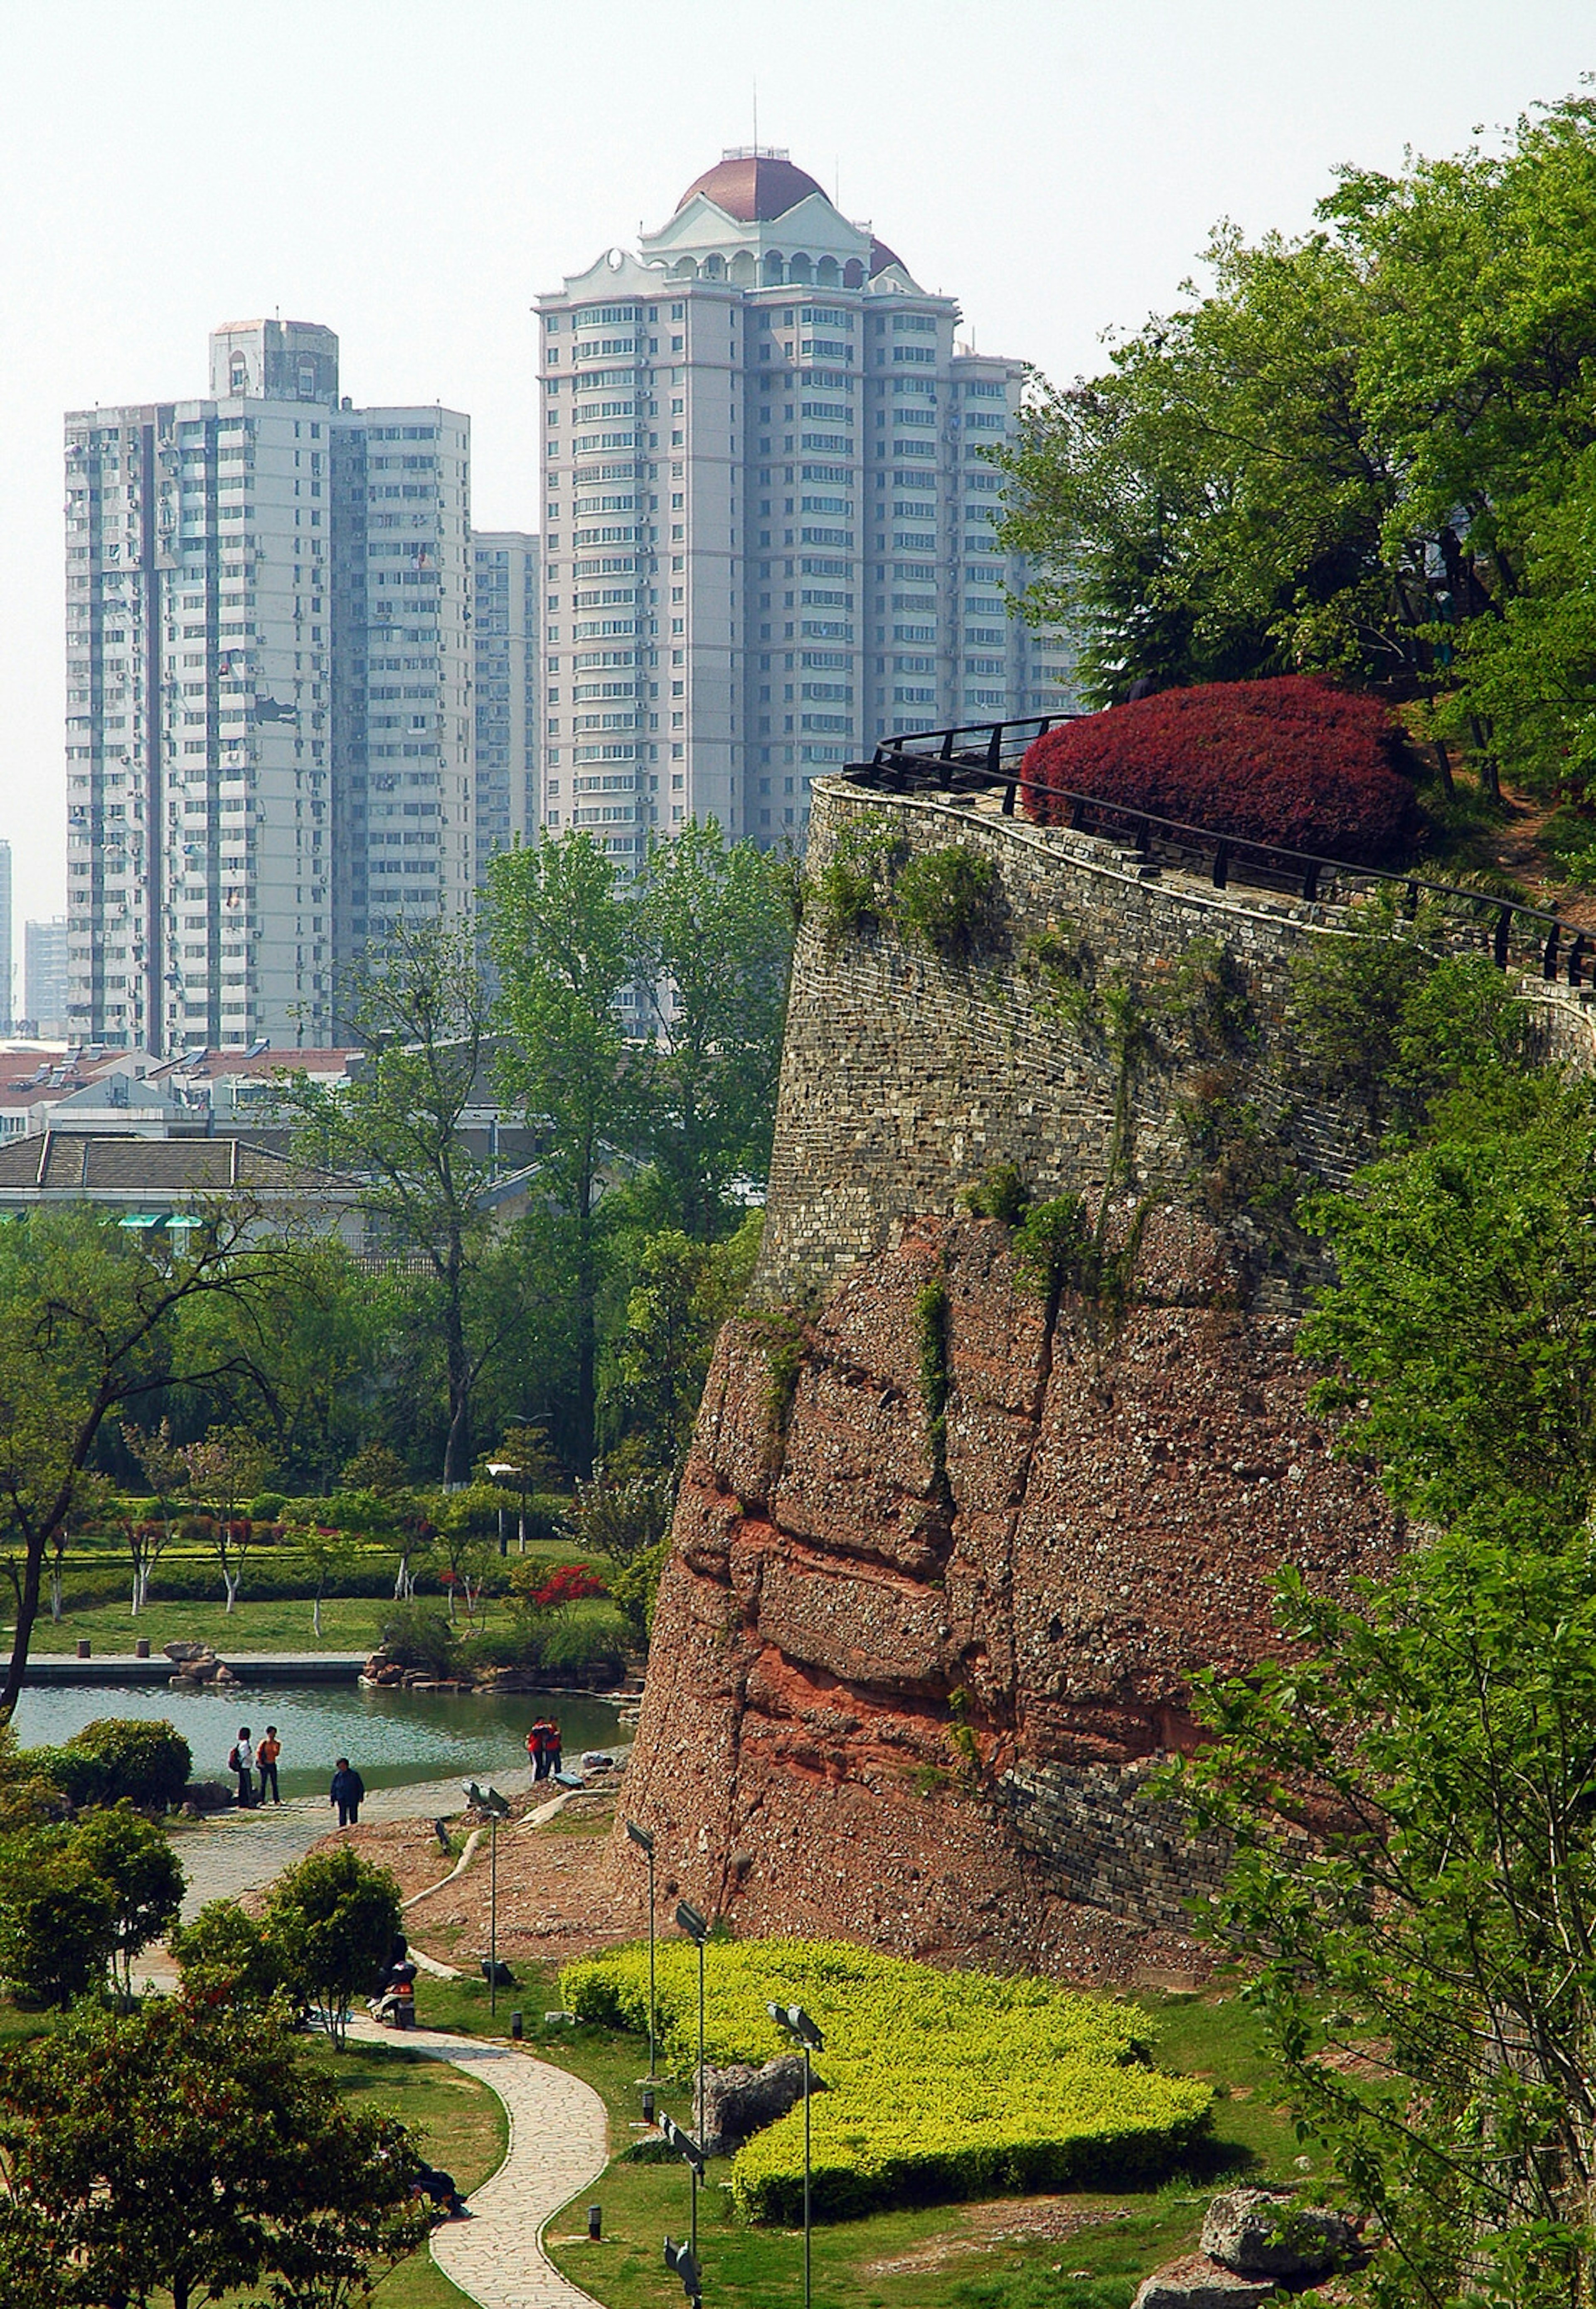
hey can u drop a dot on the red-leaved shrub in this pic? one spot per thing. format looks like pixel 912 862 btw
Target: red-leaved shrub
pixel 1290 761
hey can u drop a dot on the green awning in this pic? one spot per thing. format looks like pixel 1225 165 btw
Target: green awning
pixel 142 1219
pixel 184 1219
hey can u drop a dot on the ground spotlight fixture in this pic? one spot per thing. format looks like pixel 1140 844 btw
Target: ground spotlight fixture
pixel 693 1922
pixel 641 1837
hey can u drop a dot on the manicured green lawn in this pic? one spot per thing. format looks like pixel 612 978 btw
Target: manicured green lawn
pixel 461 2125
pixel 939 2257
pixel 348 1624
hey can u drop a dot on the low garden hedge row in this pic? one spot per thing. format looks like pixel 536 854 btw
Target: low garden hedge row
pixel 938 2085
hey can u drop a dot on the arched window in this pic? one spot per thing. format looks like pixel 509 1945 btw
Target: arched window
pixel 853 275
pixel 238 374
pixel 825 273
pixel 775 272
pixel 714 267
pixel 798 269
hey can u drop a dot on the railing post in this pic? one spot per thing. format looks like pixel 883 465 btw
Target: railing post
pixel 1310 882
pixel 1500 937
pixel 946 754
pixel 1009 792
pixel 1412 901
pixel 1576 954
pixel 1549 955
pixel 994 750
pixel 1222 864
pixel 1143 838
pixel 1078 815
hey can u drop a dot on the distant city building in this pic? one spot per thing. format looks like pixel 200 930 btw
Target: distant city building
pixel 506 595
pixel 270 746
pixel 767 516
pixel 44 977
pixel 6 962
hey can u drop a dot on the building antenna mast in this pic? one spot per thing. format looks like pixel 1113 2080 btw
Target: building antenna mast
pixel 756 116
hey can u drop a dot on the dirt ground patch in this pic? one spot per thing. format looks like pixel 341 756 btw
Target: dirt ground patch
pixel 986 2226
pixel 554 1900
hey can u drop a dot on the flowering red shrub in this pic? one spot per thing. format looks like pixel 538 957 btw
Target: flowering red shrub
pixel 571 1583
pixel 1290 761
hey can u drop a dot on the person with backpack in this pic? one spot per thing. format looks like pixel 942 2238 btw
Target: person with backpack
pixel 265 1757
pixel 346 1792
pixel 242 1762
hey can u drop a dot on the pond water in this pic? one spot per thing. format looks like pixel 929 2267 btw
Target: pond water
pixel 394 1738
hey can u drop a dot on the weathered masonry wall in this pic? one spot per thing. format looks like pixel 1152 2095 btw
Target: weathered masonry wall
pixel 906 1075
pixel 909 1672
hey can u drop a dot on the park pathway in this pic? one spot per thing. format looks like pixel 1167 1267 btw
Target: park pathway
pixel 232 1852
pixel 558 2145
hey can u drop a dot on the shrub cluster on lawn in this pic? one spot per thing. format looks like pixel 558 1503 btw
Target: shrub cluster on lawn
pixel 118 1758
pixel 1289 761
pixel 938 2085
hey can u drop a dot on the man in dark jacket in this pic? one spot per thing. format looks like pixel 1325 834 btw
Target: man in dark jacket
pixel 347 1790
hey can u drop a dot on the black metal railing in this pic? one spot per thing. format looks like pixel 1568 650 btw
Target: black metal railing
pixel 981 757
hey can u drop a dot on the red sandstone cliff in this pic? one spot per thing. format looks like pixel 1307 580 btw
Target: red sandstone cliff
pixel 906 1705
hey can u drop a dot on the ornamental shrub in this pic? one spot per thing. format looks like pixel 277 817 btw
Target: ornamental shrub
pixel 119 1758
pixel 938 2085
pixel 1289 761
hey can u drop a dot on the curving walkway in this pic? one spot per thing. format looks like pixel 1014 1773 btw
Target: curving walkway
pixel 559 2144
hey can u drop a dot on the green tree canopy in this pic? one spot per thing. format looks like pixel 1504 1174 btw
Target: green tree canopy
pixel 192 2150
pixel 714 931
pixel 1366 451
pixel 331 1923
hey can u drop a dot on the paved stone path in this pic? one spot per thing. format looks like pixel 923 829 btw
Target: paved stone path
pixel 559 2144
pixel 233 1852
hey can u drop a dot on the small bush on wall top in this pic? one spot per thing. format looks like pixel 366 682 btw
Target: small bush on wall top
pixel 942 899
pixel 1290 761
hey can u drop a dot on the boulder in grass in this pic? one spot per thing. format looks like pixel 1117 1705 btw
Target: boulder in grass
pixel 1197 2282
pixel 1269 2232
pixel 741 2100
pixel 201 1796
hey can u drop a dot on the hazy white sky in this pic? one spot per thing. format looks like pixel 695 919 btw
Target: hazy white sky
pixel 412 174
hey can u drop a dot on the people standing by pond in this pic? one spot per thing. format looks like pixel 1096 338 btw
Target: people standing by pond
pixel 551 1742
pixel 265 1757
pixel 347 1789
pixel 241 1762
pixel 537 1751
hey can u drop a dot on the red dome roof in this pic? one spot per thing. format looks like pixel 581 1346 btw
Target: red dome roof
pixel 753 191
pixel 880 256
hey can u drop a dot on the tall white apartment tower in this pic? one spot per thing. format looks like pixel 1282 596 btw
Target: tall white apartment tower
pixel 7 964
pixel 768 533
pixel 269 742
pixel 507 600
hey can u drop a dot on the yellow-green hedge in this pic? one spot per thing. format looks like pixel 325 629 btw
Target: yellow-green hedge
pixel 939 2085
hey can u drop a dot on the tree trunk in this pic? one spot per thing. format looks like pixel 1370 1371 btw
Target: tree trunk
pixel 315 1617
pixel 230 1581
pixel 457 1451
pixel 57 1599
pixel 1443 765
pixel 27 1613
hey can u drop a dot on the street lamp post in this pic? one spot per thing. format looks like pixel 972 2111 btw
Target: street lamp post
pixel 692 2156
pixel 697 1928
pixel 495 1806
pixel 645 1844
pixel 504 1467
pixel 796 2021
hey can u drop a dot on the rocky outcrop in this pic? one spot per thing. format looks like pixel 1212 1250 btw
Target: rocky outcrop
pixel 741 2100
pixel 1267 2233
pixel 906 1685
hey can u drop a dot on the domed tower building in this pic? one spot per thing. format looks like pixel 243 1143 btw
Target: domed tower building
pixel 767 519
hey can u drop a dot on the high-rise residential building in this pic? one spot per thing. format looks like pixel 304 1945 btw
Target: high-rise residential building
pixel 507 601
pixel 269 718
pixel 7 964
pixel 767 515
pixel 44 978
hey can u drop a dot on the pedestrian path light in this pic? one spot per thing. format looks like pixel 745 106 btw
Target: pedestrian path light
pixel 692 2156
pixel 797 2025
pixel 684 2262
pixel 644 1842
pixel 496 1807
pixel 696 1926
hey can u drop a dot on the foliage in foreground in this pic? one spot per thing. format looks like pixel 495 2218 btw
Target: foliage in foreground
pixel 190 2150
pixel 937 2085
pixel 1425 1966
